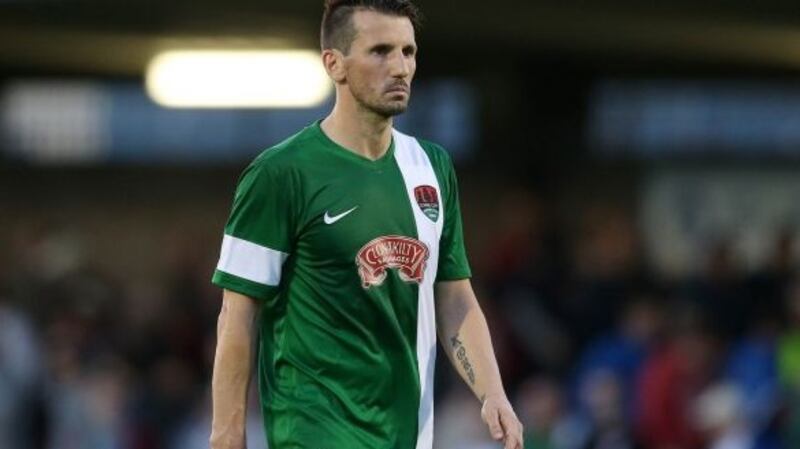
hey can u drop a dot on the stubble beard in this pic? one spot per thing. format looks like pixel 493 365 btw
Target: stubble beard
pixel 387 109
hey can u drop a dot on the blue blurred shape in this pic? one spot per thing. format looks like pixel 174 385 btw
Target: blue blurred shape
pixel 96 122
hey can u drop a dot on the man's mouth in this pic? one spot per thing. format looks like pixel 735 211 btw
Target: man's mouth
pixel 398 89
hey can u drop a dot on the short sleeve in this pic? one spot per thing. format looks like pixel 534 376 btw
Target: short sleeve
pixel 453 264
pixel 258 235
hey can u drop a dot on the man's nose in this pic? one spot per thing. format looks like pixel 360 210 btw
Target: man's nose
pixel 399 65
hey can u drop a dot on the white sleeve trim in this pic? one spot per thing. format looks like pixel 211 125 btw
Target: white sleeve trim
pixel 250 261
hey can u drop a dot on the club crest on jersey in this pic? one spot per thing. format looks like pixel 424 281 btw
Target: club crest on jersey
pixel 405 254
pixel 428 201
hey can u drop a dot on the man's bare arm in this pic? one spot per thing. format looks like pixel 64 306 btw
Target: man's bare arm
pixel 465 336
pixel 233 364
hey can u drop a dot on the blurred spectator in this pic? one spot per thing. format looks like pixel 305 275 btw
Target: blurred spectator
pixel 605 416
pixel 718 413
pixel 789 364
pixel 752 371
pixel 544 413
pixel 87 407
pixel 789 342
pixel 672 379
pixel 791 429
pixel 20 380
pixel 621 353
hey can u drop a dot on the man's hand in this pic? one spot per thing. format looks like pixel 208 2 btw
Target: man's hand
pixel 502 421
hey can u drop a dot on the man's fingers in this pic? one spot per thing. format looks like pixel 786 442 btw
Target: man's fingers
pixel 492 417
pixel 494 425
pixel 512 441
pixel 513 430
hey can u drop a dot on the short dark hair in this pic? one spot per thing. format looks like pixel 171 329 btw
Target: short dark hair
pixel 337 20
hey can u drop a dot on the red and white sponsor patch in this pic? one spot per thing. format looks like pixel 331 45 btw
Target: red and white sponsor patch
pixel 405 254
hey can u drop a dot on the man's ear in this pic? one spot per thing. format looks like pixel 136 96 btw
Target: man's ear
pixel 333 60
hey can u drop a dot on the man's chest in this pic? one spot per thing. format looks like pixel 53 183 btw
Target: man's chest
pixel 346 211
pixel 372 221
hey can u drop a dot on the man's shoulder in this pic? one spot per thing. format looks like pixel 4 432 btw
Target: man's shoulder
pixel 287 154
pixel 436 153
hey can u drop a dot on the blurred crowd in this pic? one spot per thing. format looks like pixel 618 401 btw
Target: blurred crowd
pixel 598 349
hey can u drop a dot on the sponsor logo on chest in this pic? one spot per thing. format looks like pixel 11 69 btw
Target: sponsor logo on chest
pixel 406 255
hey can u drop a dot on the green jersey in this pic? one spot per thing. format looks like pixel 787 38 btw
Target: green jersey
pixel 342 253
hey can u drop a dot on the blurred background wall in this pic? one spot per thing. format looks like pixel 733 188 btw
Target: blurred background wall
pixel 629 186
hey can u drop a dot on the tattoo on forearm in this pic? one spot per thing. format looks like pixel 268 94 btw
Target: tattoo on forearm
pixel 461 354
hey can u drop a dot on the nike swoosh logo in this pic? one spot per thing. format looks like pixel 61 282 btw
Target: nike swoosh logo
pixel 331 220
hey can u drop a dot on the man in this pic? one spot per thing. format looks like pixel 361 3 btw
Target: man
pixel 346 241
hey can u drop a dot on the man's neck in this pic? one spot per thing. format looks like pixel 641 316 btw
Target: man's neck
pixel 360 131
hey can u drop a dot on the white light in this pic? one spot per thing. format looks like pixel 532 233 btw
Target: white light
pixel 56 121
pixel 238 79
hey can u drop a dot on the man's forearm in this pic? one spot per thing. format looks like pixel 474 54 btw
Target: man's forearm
pixel 470 349
pixel 232 368
pixel 465 337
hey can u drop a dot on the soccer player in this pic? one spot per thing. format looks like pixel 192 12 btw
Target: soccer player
pixel 345 246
